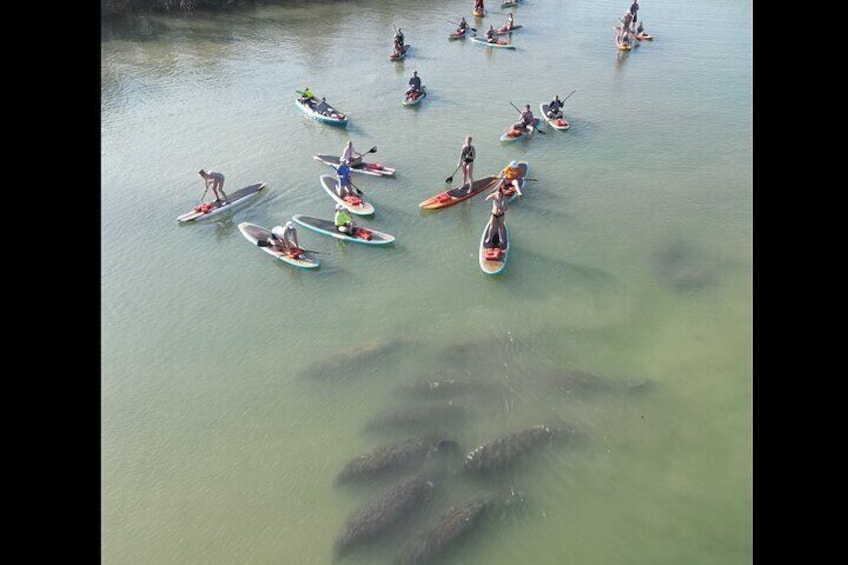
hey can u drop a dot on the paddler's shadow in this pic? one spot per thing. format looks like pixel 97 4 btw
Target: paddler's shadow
pixel 620 57
pixel 224 229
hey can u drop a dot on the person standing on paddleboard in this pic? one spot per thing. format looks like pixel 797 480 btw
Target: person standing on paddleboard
pixel 343 176
pixel 498 198
pixel 466 162
pixel 215 181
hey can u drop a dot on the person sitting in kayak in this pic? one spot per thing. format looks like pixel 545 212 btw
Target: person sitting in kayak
pixel 215 181
pixel 414 85
pixel 490 35
pixel 306 96
pixel 343 220
pixel 495 234
pixel 350 155
pixel 527 118
pixel 322 107
pixel 285 239
pixel 343 176
pixel 463 25
pixel 555 108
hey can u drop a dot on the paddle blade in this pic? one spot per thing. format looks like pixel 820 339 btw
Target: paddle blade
pixel 372 150
pixel 449 179
pixel 262 243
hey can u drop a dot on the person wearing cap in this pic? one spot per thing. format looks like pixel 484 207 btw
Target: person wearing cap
pixel 215 181
pixel 466 162
pixel 285 239
pixel 526 119
pixel 343 220
pixel 343 176
pixel 350 155
pixel 414 84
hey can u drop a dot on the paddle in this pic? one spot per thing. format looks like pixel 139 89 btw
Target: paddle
pixel 450 178
pixel 540 121
pixel 266 243
pixel 474 29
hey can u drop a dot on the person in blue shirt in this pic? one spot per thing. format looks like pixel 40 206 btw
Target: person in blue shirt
pixel 343 176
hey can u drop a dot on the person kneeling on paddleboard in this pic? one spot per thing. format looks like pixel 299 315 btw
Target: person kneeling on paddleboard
pixel 285 239
pixel 554 107
pixel 343 221
pixel 526 119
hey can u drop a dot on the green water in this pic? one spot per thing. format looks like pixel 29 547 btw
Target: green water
pixel 631 259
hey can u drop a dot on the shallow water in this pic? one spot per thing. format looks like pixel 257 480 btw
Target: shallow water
pixel 234 388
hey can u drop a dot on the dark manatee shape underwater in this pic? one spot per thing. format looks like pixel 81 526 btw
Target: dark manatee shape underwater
pixel 392 457
pixel 505 451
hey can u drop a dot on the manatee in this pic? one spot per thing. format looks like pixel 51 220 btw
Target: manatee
pixel 452 526
pixel 341 364
pixel 391 457
pixel 506 450
pixel 396 504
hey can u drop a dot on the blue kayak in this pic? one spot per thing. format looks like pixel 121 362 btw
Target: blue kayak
pixel 330 116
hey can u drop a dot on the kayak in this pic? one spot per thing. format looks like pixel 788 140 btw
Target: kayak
pixel 493 255
pixel 207 210
pixel 478 13
pixel 458 34
pixel 259 237
pixel 422 94
pixel 457 194
pixel 503 44
pixel 394 57
pixel 513 134
pixel 557 123
pixel 373 169
pixel 353 204
pixel 503 30
pixel 522 176
pixel 332 116
pixel 365 236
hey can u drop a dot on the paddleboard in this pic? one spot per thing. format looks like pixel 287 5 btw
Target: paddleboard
pixel 256 234
pixel 328 227
pixel 355 206
pixel 207 210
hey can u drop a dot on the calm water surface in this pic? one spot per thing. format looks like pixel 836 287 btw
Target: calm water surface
pixel 235 388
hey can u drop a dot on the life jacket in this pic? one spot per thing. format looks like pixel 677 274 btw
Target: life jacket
pixel 443 197
pixel 296 253
pixel 373 165
pixel 514 132
pixel 364 234
pixel 353 200
pixel 559 122
pixel 492 254
pixel 204 208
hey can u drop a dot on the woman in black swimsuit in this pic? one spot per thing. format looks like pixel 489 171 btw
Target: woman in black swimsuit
pixel 466 162
pixel 496 223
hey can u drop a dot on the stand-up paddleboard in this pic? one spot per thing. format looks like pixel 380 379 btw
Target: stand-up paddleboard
pixel 258 236
pixel 207 210
pixel 493 253
pixel 558 122
pixel 373 169
pixel 400 56
pixel 500 43
pixel 513 134
pixel 366 236
pixel 457 194
pixel 353 204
